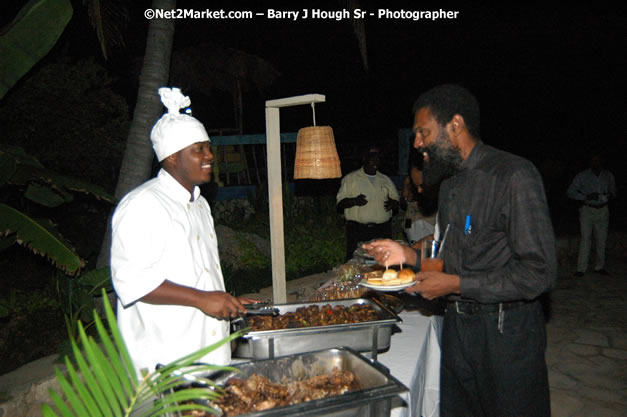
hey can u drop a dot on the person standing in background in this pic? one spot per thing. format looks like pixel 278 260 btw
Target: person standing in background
pixel 593 188
pixel 420 207
pixel 368 200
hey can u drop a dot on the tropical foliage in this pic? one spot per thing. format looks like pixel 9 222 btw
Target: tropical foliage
pixel 102 381
pixel 77 297
pixel 312 217
pixel 68 114
pixel 29 37
pixel 108 19
pixel 45 188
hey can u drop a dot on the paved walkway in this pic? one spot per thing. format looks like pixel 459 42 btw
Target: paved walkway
pixel 586 352
pixel 587 344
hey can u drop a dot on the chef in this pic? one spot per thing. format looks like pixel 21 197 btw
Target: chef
pixel 164 255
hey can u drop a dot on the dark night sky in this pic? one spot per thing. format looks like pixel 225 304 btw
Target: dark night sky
pixel 550 80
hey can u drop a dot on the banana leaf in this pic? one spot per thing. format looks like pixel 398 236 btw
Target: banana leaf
pixel 19 168
pixel 40 237
pixel 18 155
pixel 29 37
pixel 25 174
pixel 101 381
pixel 96 279
pixel 6 242
pixel 7 168
pixel 46 196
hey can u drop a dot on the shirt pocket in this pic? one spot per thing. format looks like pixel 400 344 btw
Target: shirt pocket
pixel 484 250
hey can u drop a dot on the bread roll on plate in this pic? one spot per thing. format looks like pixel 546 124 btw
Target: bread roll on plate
pixel 391 277
pixel 406 275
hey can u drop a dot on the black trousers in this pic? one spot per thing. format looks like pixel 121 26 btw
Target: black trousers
pixel 488 373
pixel 359 232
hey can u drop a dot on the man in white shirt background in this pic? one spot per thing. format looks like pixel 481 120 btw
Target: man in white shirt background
pixel 593 188
pixel 368 199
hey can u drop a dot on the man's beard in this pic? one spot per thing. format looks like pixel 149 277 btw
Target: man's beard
pixel 444 160
pixel 427 200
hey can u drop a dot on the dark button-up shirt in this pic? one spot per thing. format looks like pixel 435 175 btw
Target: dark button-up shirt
pixel 508 252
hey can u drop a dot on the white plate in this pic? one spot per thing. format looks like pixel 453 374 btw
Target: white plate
pixel 387 288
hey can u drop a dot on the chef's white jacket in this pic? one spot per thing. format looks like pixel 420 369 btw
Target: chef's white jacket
pixel 158 235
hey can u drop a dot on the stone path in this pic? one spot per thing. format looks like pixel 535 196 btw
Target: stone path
pixel 586 352
pixel 587 344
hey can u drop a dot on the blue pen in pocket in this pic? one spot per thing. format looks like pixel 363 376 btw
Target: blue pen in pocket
pixel 467 226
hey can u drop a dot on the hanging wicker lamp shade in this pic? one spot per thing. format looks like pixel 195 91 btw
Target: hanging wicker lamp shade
pixel 316 154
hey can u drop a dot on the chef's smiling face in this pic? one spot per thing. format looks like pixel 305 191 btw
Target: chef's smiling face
pixel 441 158
pixel 192 165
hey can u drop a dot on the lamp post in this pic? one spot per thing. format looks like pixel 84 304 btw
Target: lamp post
pixel 275 191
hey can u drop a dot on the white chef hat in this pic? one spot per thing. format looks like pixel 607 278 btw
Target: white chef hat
pixel 175 131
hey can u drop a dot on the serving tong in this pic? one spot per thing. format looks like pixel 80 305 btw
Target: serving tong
pixel 261 309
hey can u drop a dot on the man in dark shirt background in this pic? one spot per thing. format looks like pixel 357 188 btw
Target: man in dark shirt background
pixel 499 257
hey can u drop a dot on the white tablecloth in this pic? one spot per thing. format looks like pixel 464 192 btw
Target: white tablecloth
pixel 414 359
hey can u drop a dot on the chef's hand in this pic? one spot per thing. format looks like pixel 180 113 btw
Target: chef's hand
pixel 389 252
pixel 218 304
pixel 248 300
pixel 592 196
pixel 221 305
pixel 360 200
pixel 434 284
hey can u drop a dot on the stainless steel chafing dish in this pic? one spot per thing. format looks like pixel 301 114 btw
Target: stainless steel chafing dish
pixel 379 391
pixel 370 336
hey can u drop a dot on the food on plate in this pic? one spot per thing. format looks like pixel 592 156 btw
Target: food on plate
pixel 315 315
pixel 374 277
pixel 406 275
pixel 258 393
pixel 375 274
pixel 391 277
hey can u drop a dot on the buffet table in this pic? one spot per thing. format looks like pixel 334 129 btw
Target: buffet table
pixel 414 359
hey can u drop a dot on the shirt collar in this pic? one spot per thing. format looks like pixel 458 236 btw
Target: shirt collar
pixel 366 175
pixel 175 189
pixel 474 157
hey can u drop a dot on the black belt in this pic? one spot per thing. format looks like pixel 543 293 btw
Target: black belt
pixel 470 307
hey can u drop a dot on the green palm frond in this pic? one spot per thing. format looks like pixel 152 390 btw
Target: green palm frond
pixel 19 168
pixel 359 29
pixel 7 168
pixel 25 174
pixel 101 381
pixel 49 189
pixel 46 196
pixel 96 279
pixel 18 155
pixel 109 19
pixel 40 237
pixel 29 37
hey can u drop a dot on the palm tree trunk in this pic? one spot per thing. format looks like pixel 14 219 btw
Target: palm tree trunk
pixel 138 156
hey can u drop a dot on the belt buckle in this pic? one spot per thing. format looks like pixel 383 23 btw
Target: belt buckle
pixel 457 308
